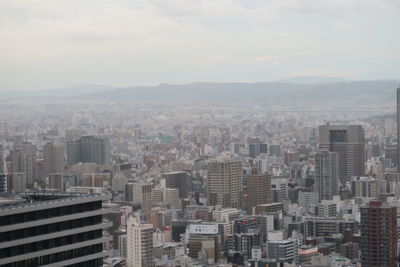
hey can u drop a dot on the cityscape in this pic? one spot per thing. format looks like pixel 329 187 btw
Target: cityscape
pixel 220 133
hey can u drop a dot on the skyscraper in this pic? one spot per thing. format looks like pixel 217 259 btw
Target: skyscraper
pixel 378 235
pixel 258 190
pixel 53 158
pixel 225 182
pixel 139 244
pixel 348 142
pixel 89 149
pixel 398 129
pixel 327 174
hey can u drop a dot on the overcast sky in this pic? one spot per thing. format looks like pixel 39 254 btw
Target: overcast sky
pixel 55 43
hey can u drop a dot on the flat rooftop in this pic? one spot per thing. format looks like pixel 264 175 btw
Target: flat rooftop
pixel 29 199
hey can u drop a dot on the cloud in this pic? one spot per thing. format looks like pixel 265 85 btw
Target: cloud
pixel 153 41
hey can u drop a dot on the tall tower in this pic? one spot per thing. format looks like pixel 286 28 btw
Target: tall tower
pixel 398 129
pixel 348 142
pixel 53 159
pixel 327 174
pixel 378 235
pixel 139 244
pixel 225 182
pixel 258 190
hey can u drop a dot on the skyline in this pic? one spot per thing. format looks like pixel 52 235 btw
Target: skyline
pixel 49 44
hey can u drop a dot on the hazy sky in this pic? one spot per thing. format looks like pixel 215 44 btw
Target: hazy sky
pixel 55 43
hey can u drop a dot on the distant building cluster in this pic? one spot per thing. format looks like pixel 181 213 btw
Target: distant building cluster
pixel 157 186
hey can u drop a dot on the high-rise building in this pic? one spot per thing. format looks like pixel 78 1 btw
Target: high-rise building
pixel 258 190
pixel 178 180
pixel 139 244
pixel 16 182
pixel 290 157
pixel 53 230
pixel 142 195
pixel 56 181
pixel 53 159
pixel 398 129
pixel 378 235
pixel 88 149
pixel 254 150
pixel 327 174
pixel 348 142
pixel 225 182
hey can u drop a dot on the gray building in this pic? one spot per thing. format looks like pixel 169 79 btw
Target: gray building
pixel 53 159
pixel 89 149
pixel 348 142
pixel 44 229
pixel 327 174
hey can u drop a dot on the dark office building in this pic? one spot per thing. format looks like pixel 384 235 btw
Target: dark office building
pixel 254 150
pixel 47 229
pixel 275 150
pixel 348 142
pixel 178 180
pixel 378 235
pixel 88 149
pixel 264 148
pixel 3 182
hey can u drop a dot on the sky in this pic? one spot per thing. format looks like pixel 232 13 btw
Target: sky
pixel 47 44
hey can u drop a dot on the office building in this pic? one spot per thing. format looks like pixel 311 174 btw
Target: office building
pixel 327 174
pixel 204 238
pixel 378 235
pixel 364 187
pixel 348 142
pixel 88 149
pixel 139 244
pixel 327 208
pixel 258 190
pixel 44 229
pixel 225 182
pixel 308 199
pixel 290 157
pixel 254 150
pixel 56 181
pixel 327 226
pixel 53 159
pixel 142 195
pixel 178 180
pixel 16 182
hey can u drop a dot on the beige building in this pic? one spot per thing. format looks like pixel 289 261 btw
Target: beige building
pixel 225 182
pixel 139 244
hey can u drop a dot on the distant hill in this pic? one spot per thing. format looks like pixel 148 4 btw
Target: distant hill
pixel 366 94
pixel 313 79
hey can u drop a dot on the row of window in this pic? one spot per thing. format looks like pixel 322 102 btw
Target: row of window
pixel 62 256
pixel 49 243
pixel 49 213
pixel 49 228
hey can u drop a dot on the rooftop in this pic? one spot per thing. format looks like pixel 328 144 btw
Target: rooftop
pixel 30 199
